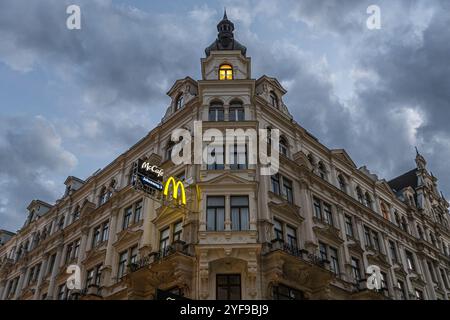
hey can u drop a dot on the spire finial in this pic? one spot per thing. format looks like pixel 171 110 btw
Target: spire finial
pixel 225 13
pixel 417 151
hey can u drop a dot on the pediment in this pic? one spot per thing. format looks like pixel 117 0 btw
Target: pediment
pixel 127 236
pixel 287 208
pixel 330 233
pixel 385 186
pixel 87 207
pixel 227 179
pixel 302 160
pixel 93 255
pixel 342 155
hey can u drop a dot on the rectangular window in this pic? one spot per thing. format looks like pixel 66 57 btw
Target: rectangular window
pixel 419 294
pixel 431 270
pixel 127 217
pixel 69 253
pixel 444 278
pixel 367 237
pixel 327 214
pixel 62 292
pixel 51 264
pixel 334 261
pixel 76 249
pixel 164 239
pixel 393 250
pixel 215 213
pixel 317 208
pixel 236 114
pixel 239 213
pixel 93 276
pixel 291 236
pixel 177 229
pixel 376 240
pixel 134 254
pixel 410 261
pixel 238 153
pixel 138 211
pixel 323 251
pixel 281 292
pixel 349 226
pixel 215 154
pixel 275 179
pixel 401 289
pixel 105 231
pixel 228 287
pixel 356 270
pixel 123 259
pixel 30 276
pixel 287 190
pixel 278 228
pixel 215 114
pixel 97 236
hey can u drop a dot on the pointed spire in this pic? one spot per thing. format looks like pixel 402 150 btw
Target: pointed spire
pixel 417 151
pixel 225 14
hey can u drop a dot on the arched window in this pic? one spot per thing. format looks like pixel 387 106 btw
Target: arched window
pixel 236 111
pixel 226 72
pixel 180 102
pixel 368 200
pixel 342 183
pixel 322 170
pixel 284 147
pixel 273 99
pixel 359 194
pixel 112 187
pixel 216 111
pixel 384 211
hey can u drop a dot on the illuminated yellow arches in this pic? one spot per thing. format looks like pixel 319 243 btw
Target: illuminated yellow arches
pixel 176 185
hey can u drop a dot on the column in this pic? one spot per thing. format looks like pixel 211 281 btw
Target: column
pixel 429 280
pixel 5 289
pixel 55 271
pixel 2 288
pixel 441 281
pixel 148 226
pixel 41 276
pixel 227 213
pixel 306 200
pixel 20 284
pixel 107 268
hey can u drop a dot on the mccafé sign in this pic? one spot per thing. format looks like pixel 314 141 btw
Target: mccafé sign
pixel 152 176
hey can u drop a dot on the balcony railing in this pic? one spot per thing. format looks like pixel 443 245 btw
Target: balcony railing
pixel 178 246
pixel 302 254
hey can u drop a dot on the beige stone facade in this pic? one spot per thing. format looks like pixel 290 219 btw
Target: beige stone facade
pixel 309 232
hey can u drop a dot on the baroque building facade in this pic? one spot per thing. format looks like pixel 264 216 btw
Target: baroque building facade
pixel 308 232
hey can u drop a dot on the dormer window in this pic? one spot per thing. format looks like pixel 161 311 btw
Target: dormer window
pixel 226 72
pixel 273 99
pixel 179 103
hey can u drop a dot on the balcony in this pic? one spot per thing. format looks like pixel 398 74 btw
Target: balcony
pixel 292 264
pixel 361 292
pixel 173 266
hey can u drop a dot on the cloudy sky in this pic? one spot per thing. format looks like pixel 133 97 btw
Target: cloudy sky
pixel 72 100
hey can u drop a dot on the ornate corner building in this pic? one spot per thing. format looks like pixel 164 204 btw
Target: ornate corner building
pixel 308 232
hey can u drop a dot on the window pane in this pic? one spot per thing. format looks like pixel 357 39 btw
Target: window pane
pixel 216 201
pixel 239 201
pixel 211 219
pixel 220 219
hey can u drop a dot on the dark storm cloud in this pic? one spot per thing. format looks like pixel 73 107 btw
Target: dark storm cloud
pixel 30 150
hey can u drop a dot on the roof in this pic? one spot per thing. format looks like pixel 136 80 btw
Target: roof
pixel 408 179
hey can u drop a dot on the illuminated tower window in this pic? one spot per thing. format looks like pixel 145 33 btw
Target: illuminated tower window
pixel 225 72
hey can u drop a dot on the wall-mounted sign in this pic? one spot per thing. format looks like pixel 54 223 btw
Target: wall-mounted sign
pixel 150 175
pixel 150 171
pixel 176 185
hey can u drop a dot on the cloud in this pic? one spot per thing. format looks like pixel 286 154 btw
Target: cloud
pixel 30 153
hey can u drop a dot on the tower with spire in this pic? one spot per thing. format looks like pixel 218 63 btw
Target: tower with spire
pixel 225 38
